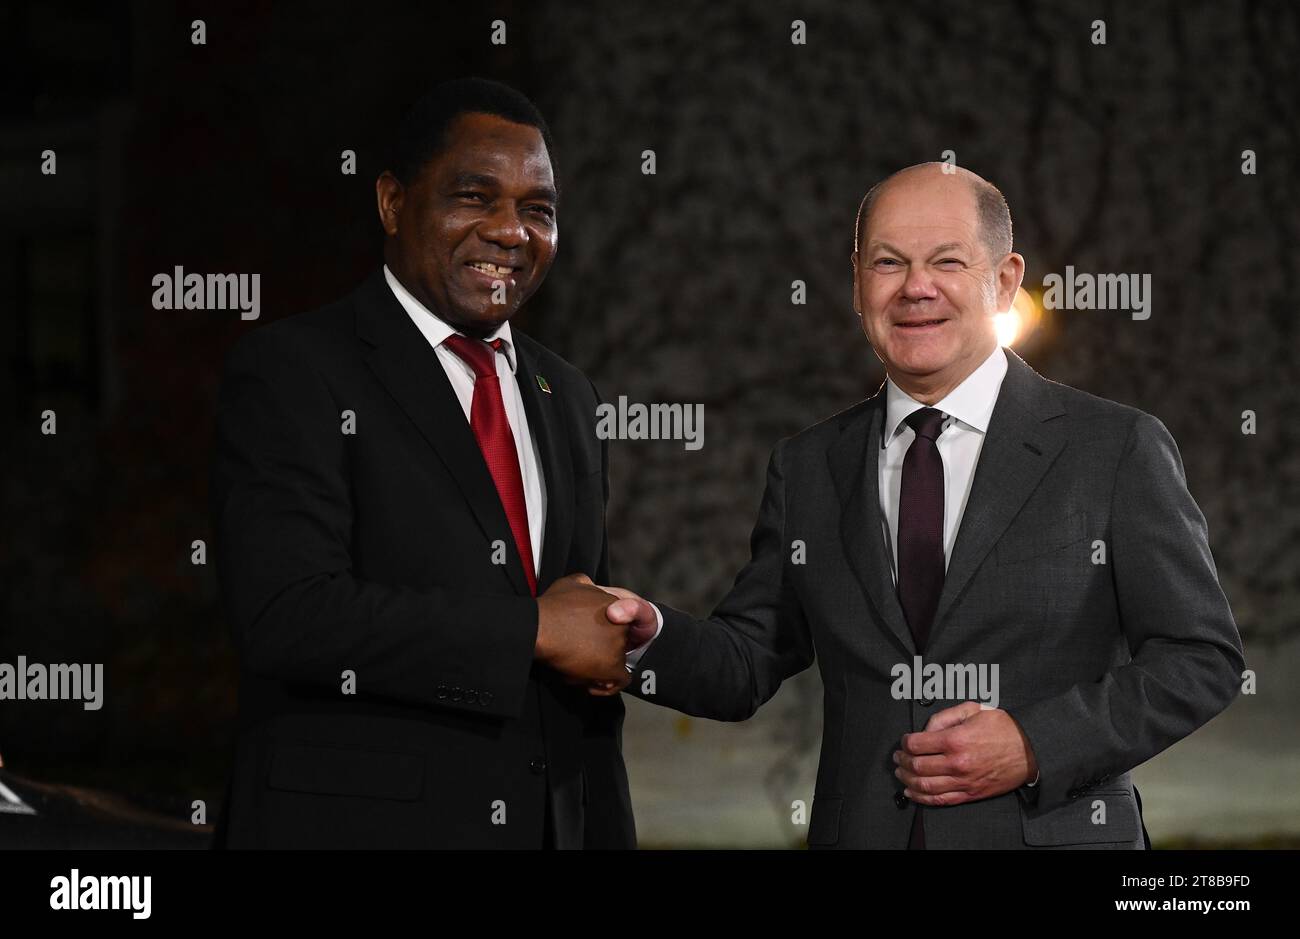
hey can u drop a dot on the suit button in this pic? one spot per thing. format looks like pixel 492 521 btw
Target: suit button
pixel 485 698
pixel 926 702
pixel 537 767
pixel 900 800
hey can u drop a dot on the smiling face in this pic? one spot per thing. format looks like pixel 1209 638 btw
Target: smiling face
pixel 924 284
pixel 477 224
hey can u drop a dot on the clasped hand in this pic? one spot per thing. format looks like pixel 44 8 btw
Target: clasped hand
pixel 585 636
pixel 965 753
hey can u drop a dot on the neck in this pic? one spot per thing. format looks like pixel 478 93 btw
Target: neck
pixel 412 286
pixel 931 389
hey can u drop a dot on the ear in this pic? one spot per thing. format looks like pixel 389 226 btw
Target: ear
pixel 389 194
pixel 1010 273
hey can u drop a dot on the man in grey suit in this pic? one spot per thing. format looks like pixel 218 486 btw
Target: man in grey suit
pixel 1045 539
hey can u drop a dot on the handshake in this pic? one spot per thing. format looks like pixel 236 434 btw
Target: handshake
pixel 584 631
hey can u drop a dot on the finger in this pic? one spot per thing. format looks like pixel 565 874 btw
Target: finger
pixel 610 687
pixel 929 785
pixel 942 799
pixel 926 741
pixel 627 612
pixel 580 578
pixel 930 765
pixel 952 716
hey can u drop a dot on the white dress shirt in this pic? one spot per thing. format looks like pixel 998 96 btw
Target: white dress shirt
pixel 967 409
pixel 461 376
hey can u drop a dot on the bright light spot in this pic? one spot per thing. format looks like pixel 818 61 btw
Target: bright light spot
pixel 1007 326
pixel 1018 322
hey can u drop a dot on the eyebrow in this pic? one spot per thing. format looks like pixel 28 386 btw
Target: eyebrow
pixel 886 246
pixel 464 180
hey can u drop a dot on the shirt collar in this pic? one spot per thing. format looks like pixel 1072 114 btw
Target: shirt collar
pixel 971 402
pixel 434 327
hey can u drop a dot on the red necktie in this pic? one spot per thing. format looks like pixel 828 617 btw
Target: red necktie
pixel 487 418
pixel 920 543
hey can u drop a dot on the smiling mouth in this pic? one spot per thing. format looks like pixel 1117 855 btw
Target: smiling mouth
pixel 492 270
pixel 921 324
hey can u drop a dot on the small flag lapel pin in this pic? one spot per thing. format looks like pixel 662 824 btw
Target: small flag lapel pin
pixel 541 383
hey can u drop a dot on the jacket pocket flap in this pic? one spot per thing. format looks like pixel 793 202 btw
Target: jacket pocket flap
pixel 1100 817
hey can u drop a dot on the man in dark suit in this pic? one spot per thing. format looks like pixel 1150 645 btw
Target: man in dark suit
pixel 975 517
pixel 401 484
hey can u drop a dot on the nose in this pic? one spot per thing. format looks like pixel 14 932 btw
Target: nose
pixel 504 227
pixel 919 284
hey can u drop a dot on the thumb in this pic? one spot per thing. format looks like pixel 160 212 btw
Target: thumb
pixel 631 611
pixel 578 578
pixel 951 717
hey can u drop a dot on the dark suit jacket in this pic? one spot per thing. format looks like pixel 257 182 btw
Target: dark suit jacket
pixel 371 553
pixel 1102 665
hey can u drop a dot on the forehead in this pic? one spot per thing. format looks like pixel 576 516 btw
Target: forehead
pixel 918 210
pixel 488 145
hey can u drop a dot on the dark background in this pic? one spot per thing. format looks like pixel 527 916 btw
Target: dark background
pixel 225 157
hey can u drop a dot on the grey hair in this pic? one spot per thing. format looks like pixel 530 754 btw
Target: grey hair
pixel 993 212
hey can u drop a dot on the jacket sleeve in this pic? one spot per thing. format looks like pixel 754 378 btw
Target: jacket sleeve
pixel 727 666
pixel 283 515
pixel 1186 655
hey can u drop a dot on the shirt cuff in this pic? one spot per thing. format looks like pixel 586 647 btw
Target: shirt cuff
pixel 633 657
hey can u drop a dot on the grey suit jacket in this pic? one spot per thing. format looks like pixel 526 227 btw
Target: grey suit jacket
pixel 1102 664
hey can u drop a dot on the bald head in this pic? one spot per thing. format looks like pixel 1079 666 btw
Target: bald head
pixel 990 207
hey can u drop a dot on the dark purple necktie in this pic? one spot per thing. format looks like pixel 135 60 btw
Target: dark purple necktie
pixel 920 542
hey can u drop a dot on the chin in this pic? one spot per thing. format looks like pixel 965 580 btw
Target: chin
pixel 490 315
pixel 921 362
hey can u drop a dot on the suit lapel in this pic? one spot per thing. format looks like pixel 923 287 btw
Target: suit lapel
pixel 1018 450
pixel 854 466
pixel 546 424
pixel 405 364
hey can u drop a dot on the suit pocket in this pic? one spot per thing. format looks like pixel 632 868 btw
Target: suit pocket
pixel 372 774
pixel 1025 543
pixel 1103 816
pixel 824 827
